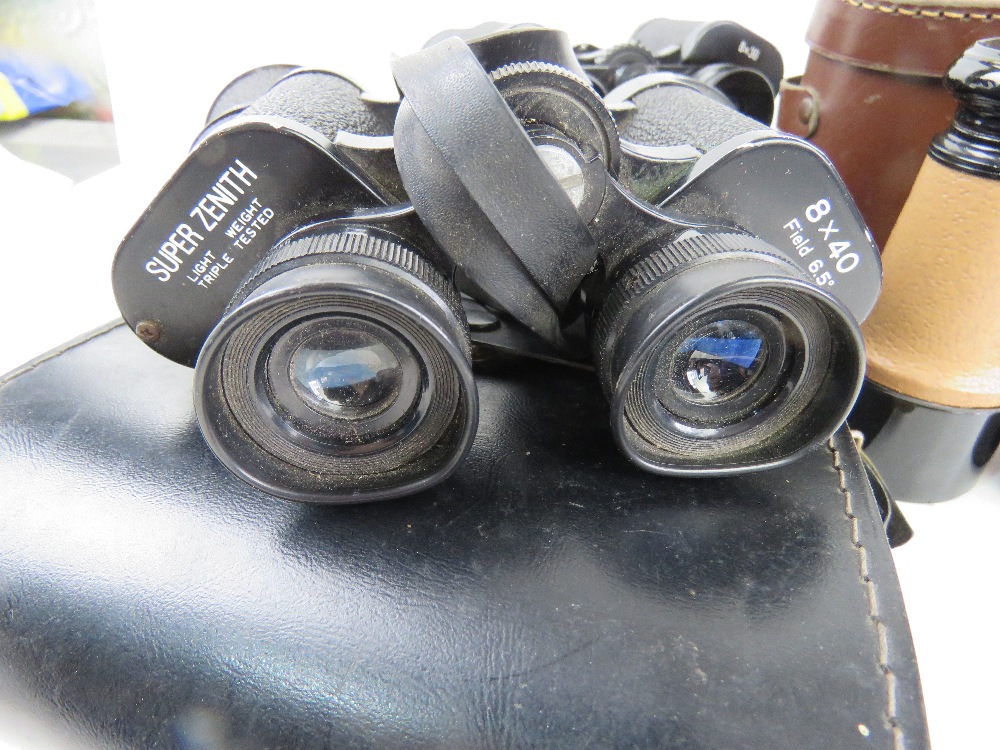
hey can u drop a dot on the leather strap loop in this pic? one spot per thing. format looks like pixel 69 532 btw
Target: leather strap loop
pixel 485 146
pixel 800 107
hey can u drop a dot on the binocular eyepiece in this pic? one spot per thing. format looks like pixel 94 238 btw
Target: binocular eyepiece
pixel 319 255
pixel 718 357
pixel 342 368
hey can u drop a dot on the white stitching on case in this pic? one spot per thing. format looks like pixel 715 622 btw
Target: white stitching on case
pixel 881 632
pixel 894 9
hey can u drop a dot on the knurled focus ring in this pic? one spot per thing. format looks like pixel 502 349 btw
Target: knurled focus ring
pixel 585 120
pixel 657 266
pixel 313 248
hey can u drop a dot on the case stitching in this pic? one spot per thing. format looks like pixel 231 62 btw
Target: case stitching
pixel 894 9
pixel 881 631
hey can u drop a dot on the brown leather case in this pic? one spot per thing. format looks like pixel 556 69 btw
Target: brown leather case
pixel 871 96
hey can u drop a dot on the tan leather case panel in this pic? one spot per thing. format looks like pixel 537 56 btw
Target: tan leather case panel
pixel 935 332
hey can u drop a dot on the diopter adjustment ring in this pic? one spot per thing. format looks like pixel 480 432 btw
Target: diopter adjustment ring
pixel 541 92
pixel 340 245
pixel 635 280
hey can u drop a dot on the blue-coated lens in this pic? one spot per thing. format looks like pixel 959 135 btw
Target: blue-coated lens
pixel 719 361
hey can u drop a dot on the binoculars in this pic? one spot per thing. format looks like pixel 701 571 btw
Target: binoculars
pixel 334 267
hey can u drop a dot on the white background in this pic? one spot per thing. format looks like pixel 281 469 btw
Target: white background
pixel 167 61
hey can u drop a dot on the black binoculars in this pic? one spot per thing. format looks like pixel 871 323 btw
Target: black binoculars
pixel 334 266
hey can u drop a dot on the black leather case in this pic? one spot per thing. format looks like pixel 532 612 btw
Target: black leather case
pixel 547 595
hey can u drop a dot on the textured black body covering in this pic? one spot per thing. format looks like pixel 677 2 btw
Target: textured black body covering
pixel 324 102
pixel 679 116
pixel 547 595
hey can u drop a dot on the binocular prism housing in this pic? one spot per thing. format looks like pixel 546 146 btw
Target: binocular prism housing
pixel 335 267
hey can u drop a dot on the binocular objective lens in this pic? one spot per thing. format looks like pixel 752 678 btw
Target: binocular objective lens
pixel 342 384
pixel 347 374
pixel 343 374
pixel 719 357
pixel 715 363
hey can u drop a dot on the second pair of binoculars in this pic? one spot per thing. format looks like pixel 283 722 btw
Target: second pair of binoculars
pixel 329 263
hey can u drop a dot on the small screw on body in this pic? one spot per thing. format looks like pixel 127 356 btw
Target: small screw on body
pixel 149 331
